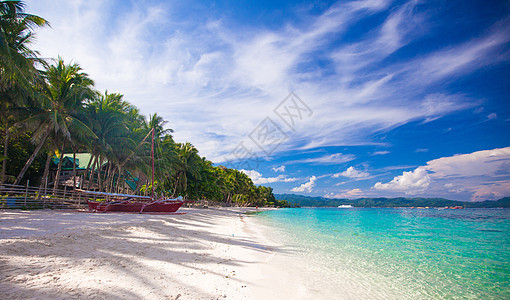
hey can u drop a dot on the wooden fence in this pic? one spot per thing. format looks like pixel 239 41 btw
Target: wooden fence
pixel 27 197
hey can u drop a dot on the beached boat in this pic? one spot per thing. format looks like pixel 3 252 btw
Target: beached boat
pixel 345 206
pixel 137 205
pixel 134 203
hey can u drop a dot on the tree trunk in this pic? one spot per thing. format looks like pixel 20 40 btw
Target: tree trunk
pixel 106 183
pixel 88 166
pixel 108 177
pixel 119 181
pixel 91 177
pixel 59 169
pixel 99 174
pixel 111 182
pixel 176 184
pixel 6 145
pixel 32 157
pixel 44 181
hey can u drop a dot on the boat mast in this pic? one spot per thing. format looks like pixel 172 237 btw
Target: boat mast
pixel 152 155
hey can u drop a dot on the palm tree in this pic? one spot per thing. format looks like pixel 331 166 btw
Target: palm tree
pixel 106 119
pixel 119 127
pixel 187 167
pixel 158 124
pixel 62 99
pixel 16 58
pixel 17 70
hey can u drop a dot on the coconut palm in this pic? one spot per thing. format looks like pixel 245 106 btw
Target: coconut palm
pixel 187 166
pixel 16 33
pixel 17 70
pixel 61 101
pixel 119 128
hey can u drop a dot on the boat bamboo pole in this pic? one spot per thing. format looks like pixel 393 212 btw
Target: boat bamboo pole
pixel 152 155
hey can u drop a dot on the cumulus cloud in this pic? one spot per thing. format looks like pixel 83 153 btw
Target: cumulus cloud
pixel 484 174
pixel 307 186
pixel 409 182
pixel 480 163
pixel 351 172
pixel 257 178
pixel 481 175
pixel 279 169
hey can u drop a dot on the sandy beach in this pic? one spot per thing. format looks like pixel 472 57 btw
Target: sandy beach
pixel 202 254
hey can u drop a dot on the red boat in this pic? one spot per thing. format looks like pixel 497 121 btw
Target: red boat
pixel 134 205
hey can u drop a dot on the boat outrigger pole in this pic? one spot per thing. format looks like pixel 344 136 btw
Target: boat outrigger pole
pixel 152 155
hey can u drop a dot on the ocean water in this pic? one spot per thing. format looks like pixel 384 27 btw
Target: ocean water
pixel 383 253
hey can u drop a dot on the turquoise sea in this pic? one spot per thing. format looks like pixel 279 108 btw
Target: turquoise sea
pixel 385 253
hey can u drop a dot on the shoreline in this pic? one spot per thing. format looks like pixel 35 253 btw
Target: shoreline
pixel 203 254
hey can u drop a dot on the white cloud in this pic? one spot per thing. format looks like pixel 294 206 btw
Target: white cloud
pixel 492 163
pixel 481 175
pixel 331 159
pixel 279 169
pixel 354 193
pixel 380 153
pixel 307 186
pixel 494 191
pixel 421 150
pixel 492 116
pixel 484 175
pixel 409 182
pixel 230 80
pixel 257 178
pixel 452 188
pixel 351 172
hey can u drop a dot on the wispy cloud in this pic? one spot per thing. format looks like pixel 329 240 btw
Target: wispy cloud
pixel 204 76
pixel 331 159
pixel 492 116
pixel 354 193
pixel 380 153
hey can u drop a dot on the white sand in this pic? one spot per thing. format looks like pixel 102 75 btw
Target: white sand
pixel 203 254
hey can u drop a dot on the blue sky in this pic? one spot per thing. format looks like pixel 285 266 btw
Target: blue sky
pixel 329 98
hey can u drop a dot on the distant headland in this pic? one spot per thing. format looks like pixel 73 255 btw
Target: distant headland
pixel 301 201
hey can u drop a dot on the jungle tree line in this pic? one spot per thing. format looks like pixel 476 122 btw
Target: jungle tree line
pixel 50 107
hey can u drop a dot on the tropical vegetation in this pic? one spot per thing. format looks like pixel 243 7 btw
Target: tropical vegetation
pixel 49 107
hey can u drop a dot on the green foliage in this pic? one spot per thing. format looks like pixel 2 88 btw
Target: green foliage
pixel 20 147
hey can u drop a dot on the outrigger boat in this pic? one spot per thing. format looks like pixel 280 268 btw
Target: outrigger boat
pixel 135 203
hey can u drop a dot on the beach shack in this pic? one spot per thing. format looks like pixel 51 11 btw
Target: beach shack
pixel 129 182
